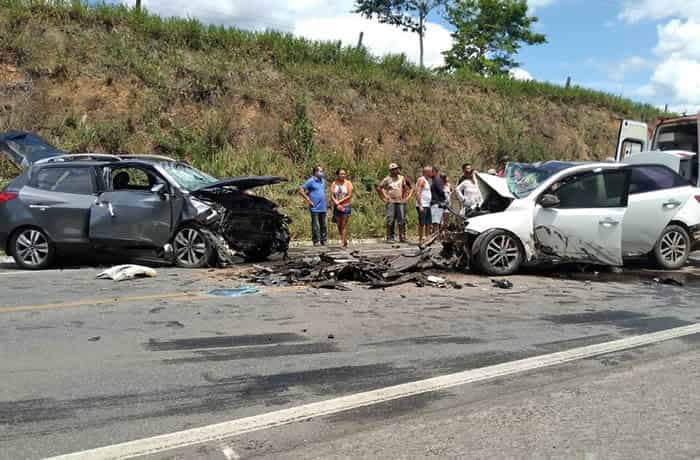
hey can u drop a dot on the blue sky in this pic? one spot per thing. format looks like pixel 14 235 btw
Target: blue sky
pixel 647 50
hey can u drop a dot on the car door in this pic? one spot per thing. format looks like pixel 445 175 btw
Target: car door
pixel 657 194
pixel 633 137
pixel 586 225
pixel 59 198
pixel 134 214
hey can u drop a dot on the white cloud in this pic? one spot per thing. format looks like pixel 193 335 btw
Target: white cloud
pixel 679 37
pixel 639 10
pixel 520 74
pixel 535 4
pixel 675 77
pixel 379 38
pixel 313 19
pixel 630 65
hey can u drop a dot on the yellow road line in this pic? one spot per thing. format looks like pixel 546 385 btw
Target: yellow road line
pixel 103 301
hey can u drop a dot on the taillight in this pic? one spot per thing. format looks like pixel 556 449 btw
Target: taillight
pixel 697 198
pixel 7 196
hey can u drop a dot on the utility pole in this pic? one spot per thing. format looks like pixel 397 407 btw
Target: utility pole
pixel 359 40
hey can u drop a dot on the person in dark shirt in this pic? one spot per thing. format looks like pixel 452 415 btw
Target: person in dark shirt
pixel 437 199
pixel 467 173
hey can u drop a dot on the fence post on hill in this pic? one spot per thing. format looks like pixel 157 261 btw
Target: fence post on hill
pixel 359 40
pixel 568 82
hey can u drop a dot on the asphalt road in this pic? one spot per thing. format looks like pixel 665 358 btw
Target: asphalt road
pixel 88 363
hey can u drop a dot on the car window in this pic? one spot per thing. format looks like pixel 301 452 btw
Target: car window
pixel 133 178
pixel 649 178
pixel 78 181
pixel 605 189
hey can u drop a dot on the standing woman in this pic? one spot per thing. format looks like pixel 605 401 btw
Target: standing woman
pixel 448 200
pixel 341 194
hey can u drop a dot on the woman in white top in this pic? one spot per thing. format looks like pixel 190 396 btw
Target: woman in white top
pixel 469 194
pixel 423 198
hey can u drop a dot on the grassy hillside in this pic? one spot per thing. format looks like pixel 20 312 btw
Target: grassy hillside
pixel 232 102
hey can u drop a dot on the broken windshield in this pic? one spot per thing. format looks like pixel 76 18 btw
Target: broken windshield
pixel 187 177
pixel 523 178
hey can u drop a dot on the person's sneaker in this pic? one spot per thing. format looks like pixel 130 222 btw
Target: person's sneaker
pixel 323 243
pixel 390 240
pixel 315 243
pixel 403 240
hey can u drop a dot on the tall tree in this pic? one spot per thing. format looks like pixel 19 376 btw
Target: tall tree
pixel 410 15
pixel 138 5
pixel 488 34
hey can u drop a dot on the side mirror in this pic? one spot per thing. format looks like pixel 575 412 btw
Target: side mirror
pixel 549 201
pixel 160 189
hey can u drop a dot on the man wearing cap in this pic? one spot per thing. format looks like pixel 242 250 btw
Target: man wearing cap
pixel 395 190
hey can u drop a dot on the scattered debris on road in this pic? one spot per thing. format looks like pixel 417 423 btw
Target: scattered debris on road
pixel 502 284
pixel 127 272
pixel 94 339
pixel 233 292
pixel 669 281
pixel 330 270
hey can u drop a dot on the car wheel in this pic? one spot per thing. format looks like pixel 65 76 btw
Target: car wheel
pixel 32 249
pixel 192 248
pixel 673 248
pixel 497 253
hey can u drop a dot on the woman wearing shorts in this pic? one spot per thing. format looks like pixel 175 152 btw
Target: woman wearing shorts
pixel 341 194
pixel 423 198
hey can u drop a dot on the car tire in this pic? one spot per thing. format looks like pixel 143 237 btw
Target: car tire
pixel 497 253
pixel 673 248
pixel 32 249
pixel 192 248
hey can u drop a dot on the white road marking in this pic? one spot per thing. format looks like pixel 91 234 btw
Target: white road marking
pixel 220 431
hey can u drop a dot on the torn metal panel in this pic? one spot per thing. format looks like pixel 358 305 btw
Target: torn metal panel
pixel 553 244
pixel 250 225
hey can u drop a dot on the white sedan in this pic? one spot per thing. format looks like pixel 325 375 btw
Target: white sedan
pixel 594 213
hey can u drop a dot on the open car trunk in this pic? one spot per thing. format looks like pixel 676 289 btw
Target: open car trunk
pixel 249 224
pixel 495 193
pixel 24 149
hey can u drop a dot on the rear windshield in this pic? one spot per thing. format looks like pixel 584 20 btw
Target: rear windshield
pixel 677 136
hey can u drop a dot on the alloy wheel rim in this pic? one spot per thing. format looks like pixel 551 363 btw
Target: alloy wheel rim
pixel 502 252
pixel 32 247
pixel 673 247
pixel 190 247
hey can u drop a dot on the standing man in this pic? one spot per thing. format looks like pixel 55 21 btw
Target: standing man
pixel 395 190
pixel 467 173
pixel 423 198
pixel 314 193
pixel 437 199
pixel 502 165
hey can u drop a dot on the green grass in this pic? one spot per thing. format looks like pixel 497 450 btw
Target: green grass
pixel 201 72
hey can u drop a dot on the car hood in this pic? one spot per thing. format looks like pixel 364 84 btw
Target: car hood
pixel 242 183
pixel 24 149
pixel 489 184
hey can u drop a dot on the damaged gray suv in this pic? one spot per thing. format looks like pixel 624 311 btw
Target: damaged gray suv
pixel 70 204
